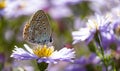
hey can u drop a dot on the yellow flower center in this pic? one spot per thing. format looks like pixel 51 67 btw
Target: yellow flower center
pixel 2 4
pixel 43 51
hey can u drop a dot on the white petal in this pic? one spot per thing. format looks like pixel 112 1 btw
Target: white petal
pixel 64 53
pixel 81 35
pixel 28 48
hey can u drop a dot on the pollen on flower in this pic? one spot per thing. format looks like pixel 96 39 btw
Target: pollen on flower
pixel 43 51
pixel 2 4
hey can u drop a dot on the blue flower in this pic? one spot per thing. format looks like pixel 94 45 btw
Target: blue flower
pixel 94 25
pixel 75 67
pixel 116 31
pixel 43 54
pixel 2 58
pixel 16 8
pixel 81 63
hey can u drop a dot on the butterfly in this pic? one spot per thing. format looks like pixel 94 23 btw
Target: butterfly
pixel 38 30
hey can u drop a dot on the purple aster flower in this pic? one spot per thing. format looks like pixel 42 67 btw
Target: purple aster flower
pixel 75 67
pixel 2 58
pixel 43 54
pixel 60 9
pixel 98 24
pixel 115 12
pixel 82 63
pixel 22 66
pixel 2 61
pixel 103 6
pixel 65 2
pixel 93 59
pixel 57 12
pixel 116 32
pixel 16 8
pixel 82 60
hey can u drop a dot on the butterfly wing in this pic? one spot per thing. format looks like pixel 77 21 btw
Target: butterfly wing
pixel 38 29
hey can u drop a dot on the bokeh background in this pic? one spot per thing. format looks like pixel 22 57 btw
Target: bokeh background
pixel 64 16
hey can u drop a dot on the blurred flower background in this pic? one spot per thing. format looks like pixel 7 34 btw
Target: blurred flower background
pixel 91 27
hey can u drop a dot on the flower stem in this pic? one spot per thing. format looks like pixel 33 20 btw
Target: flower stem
pixel 98 39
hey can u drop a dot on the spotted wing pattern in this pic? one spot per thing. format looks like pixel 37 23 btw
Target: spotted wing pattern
pixel 38 29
